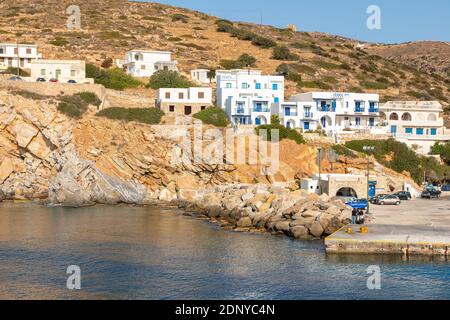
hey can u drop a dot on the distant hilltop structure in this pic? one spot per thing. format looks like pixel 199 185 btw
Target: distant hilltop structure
pixel 292 27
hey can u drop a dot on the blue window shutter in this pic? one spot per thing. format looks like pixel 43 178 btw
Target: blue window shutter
pixel 419 131
pixel 277 100
pixel 433 131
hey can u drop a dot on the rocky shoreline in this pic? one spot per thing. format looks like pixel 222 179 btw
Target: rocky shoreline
pixel 274 209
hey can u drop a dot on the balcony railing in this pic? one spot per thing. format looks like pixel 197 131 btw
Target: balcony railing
pixel 359 109
pixel 327 109
pixel 290 114
pixel 309 115
pixel 262 109
pixel 373 110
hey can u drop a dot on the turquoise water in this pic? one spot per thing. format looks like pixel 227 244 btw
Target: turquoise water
pixel 153 253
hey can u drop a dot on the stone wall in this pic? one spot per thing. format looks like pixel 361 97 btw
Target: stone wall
pixel 53 89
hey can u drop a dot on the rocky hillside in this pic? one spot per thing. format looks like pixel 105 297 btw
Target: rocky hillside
pixel 315 61
pixel 431 57
pixel 45 155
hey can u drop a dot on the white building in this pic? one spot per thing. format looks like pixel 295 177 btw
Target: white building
pixel 186 101
pixel 62 70
pixel 201 76
pixel 18 55
pixel 297 115
pixel 419 124
pixel 247 96
pixel 337 112
pixel 144 63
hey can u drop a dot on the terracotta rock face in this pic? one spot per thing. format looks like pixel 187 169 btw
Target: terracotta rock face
pixel 6 168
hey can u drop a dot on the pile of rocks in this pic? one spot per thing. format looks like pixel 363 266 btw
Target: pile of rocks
pixel 275 209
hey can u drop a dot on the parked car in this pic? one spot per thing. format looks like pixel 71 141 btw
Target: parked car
pixel 430 194
pixel 446 187
pixel 53 80
pixel 375 199
pixel 15 78
pixel 358 203
pixel 40 80
pixel 71 81
pixel 404 195
pixel 389 200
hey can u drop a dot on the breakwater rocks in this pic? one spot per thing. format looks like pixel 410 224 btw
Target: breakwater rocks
pixel 274 209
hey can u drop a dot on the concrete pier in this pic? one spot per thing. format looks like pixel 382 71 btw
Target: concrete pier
pixel 390 239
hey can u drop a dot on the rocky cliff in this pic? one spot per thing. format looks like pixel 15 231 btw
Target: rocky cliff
pixel 48 156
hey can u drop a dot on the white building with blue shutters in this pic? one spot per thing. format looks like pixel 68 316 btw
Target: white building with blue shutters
pixel 335 112
pixel 247 96
pixel 419 124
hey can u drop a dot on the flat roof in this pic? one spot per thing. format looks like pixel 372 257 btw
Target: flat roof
pixel 149 51
pixel 56 61
pixel 20 44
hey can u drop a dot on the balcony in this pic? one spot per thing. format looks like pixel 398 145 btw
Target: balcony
pixel 359 109
pixel 261 109
pixel 373 110
pixel 290 113
pixel 308 115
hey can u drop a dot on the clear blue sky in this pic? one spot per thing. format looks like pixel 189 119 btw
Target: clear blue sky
pixel 401 20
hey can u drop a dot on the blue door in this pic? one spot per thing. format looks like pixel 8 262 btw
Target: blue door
pixel 306 125
pixel 258 121
pixel 394 129
pixel 287 111
pixel 333 106
pixel 372 190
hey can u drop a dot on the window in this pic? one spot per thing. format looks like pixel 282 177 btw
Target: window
pixel 43 72
pixel 181 95
pixel 202 108
pixel 245 85
pixel 16 50
pixel 258 86
pixel 167 95
pixel 143 67
pixel 171 108
pixel 433 131
pixel 201 95
pixel 187 110
pixel 274 86
pixel 419 131
pixel 406 117
pixel 277 100
pixel 358 121
pixel 28 50
pixel 393 116
pixel 2 51
pixel 72 73
pixel 409 130
pixel 228 85
pixel 57 73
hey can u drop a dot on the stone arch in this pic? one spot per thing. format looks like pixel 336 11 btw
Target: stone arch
pixel 406 116
pixel 393 116
pixel 420 117
pixel 290 124
pixel 432 117
pixel 259 120
pixel 383 115
pixel 326 121
pixel 346 192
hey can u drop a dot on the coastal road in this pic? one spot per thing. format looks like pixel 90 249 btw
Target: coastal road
pixel 419 212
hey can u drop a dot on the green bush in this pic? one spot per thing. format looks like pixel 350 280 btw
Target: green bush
pixel 327 65
pixel 13 70
pixel 343 151
pixel 59 42
pixel 72 106
pixel 284 133
pixel 168 79
pixel 442 150
pixel 283 53
pixel 180 17
pixel 244 61
pixel 90 98
pixel 224 26
pixel 399 157
pixel 314 84
pixel 374 85
pixel 113 78
pixel 110 35
pixel 263 42
pixel 213 116
pixel 147 115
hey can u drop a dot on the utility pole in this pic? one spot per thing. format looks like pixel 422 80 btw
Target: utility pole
pixel 319 160
pixel 368 149
pixel 18 57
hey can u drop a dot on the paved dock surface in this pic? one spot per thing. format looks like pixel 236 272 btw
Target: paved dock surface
pixel 415 227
